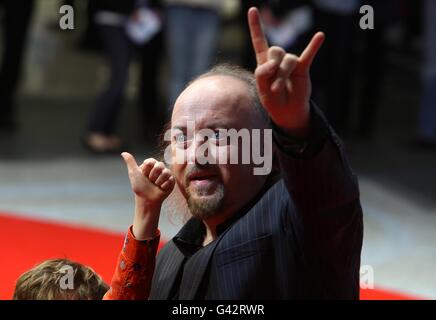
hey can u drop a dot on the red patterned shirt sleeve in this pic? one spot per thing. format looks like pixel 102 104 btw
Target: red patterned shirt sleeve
pixel 134 271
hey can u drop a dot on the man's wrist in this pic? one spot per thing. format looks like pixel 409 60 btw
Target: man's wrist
pixel 311 144
pixel 298 126
pixel 142 231
pixel 146 220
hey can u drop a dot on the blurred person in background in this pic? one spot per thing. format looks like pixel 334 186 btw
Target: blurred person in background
pixel 89 38
pixel 248 57
pixel 427 116
pixel 113 18
pixel 15 20
pixel 333 71
pixel 372 59
pixel 287 25
pixel 192 36
pixel 151 108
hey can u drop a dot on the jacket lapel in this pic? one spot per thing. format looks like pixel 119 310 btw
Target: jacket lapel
pixel 195 271
pixel 166 273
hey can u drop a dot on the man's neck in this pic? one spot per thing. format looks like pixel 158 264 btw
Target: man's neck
pixel 211 235
pixel 215 221
pixel 211 225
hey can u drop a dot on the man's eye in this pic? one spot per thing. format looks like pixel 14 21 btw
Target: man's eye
pixel 180 138
pixel 219 134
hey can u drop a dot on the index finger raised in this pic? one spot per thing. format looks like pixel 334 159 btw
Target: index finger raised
pixel 258 39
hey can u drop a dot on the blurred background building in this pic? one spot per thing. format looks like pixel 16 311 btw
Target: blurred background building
pixel 376 86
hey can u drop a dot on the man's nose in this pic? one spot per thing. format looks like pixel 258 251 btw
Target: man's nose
pixel 198 151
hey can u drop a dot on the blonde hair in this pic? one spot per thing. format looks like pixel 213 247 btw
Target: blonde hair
pixel 43 282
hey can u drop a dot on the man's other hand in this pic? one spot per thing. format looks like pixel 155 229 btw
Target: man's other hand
pixel 283 80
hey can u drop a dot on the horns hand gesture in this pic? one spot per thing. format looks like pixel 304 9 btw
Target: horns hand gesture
pixel 283 80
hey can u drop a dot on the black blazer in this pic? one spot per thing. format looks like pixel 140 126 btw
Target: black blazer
pixel 302 239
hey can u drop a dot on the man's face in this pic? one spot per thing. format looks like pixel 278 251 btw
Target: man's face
pixel 213 188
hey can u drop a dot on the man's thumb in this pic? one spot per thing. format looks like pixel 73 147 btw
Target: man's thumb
pixel 129 160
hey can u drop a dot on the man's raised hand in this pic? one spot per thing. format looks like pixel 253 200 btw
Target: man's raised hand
pixel 283 80
pixel 151 181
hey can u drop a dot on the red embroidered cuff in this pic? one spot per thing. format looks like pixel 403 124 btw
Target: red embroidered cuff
pixel 136 251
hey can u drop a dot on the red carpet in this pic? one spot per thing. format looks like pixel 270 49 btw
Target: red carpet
pixel 25 243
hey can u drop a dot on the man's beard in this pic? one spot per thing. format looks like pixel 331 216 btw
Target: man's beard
pixel 201 202
pixel 206 207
